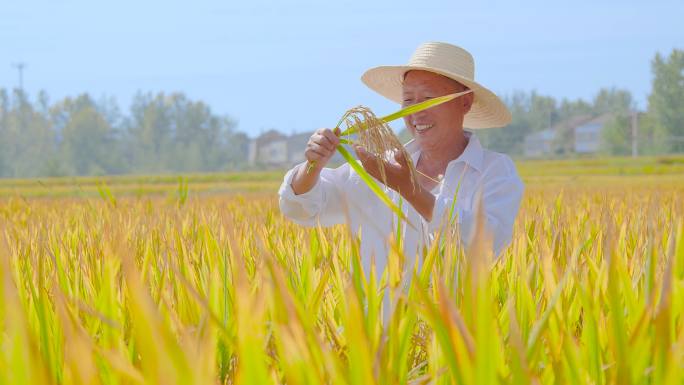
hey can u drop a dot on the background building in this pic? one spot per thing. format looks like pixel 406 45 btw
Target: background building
pixel 580 135
pixel 273 149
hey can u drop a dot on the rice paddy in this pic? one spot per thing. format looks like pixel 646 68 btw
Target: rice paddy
pixel 200 280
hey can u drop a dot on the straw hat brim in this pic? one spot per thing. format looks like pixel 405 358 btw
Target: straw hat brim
pixel 487 111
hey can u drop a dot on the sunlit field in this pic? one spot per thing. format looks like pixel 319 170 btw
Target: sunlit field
pixel 199 279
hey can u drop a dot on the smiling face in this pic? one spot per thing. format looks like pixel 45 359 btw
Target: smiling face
pixel 437 126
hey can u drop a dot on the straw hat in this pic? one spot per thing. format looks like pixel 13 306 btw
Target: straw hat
pixel 453 62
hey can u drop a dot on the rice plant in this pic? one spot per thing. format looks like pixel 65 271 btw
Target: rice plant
pixel 223 290
pixel 377 138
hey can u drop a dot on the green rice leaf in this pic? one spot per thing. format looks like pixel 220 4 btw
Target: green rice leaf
pixel 410 110
pixel 371 183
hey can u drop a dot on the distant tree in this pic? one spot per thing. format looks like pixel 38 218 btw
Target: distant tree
pixel 570 109
pixel 195 142
pixel 236 151
pixel 26 136
pixel 173 133
pixel 110 111
pixel 201 137
pixel 78 136
pixel 616 135
pixel 665 102
pixel 88 145
pixel 648 143
pixel 530 112
pixel 148 133
pixel 510 138
pixel 614 101
pixel 543 112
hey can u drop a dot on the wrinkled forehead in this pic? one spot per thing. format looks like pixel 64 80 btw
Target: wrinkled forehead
pixel 427 79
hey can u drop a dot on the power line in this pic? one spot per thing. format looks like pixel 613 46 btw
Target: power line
pixel 20 67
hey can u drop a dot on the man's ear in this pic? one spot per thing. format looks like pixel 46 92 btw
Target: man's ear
pixel 468 100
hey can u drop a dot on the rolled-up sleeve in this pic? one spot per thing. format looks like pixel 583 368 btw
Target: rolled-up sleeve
pixel 501 192
pixel 323 204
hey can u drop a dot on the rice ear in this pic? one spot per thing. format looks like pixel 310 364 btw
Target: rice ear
pixel 409 110
pixel 376 136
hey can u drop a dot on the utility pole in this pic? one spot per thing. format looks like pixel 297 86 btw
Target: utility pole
pixel 20 67
pixel 635 131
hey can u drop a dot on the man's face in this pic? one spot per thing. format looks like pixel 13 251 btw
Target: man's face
pixel 440 123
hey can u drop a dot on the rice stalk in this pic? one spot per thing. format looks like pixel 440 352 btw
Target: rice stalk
pixel 376 136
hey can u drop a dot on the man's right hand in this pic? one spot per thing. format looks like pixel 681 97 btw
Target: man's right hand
pixel 319 149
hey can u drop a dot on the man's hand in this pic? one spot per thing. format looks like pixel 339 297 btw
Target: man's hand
pixel 321 147
pixel 398 173
pixel 398 178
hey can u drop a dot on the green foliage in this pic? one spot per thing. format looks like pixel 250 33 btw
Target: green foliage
pixel 530 113
pixel 595 171
pixel 616 136
pixel 533 113
pixel 88 145
pixel 81 136
pixel 225 290
pixel 26 137
pixel 172 133
pixel 613 101
pixel 665 104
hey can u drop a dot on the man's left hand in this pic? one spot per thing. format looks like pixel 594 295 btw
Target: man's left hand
pixel 398 178
pixel 397 174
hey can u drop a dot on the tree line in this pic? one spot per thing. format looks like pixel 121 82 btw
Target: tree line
pixel 660 127
pixel 164 133
pixel 81 136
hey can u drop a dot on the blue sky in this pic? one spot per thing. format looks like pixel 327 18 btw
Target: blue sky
pixel 295 65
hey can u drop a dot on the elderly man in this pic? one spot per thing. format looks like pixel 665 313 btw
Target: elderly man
pixel 450 161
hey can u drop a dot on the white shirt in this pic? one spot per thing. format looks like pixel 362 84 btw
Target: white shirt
pixel 340 196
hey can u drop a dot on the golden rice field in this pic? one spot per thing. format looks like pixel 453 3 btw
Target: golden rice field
pixel 200 280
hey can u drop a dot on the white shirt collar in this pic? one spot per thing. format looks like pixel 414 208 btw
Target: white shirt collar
pixel 472 155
